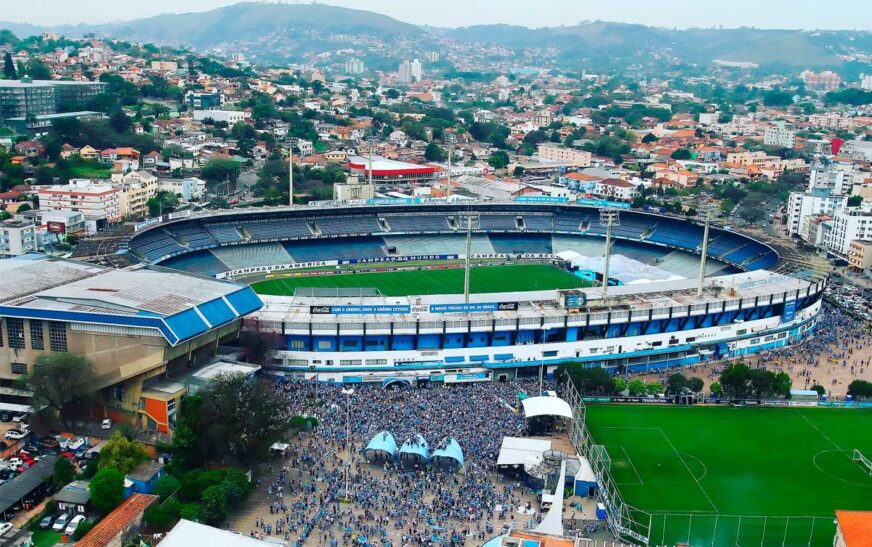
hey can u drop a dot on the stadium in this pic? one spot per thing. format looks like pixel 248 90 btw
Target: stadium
pixel 375 293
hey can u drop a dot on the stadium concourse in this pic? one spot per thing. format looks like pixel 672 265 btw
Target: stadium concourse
pixel 396 502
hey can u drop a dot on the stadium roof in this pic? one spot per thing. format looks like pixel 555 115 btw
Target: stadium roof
pixel 187 533
pixel 179 305
pixel 384 166
pixel 382 442
pixel 546 406
pixel 451 451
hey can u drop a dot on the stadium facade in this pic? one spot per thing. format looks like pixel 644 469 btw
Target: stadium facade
pixel 133 325
pixel 744 307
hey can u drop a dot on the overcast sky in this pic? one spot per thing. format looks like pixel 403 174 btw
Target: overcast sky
pixel 808 14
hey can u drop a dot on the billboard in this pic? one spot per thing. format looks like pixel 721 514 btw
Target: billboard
pixel 359 310
pixel 56 227
pixel 474 308
pixel 603 203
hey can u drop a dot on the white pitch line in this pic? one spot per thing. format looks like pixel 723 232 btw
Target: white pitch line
pixel 668 440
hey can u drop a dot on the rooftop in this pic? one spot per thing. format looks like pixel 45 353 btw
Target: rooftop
pixel 117 521
pixel 187 533
pixel 856 527
pixel 77 492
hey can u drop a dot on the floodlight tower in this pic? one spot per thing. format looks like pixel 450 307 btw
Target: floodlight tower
pixel 292 142
pixel 472 222
pixel 450 139
pixel 371 142
pixel 608 218
pixel 705 211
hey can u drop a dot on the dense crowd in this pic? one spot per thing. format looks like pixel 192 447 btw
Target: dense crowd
pixel 391 503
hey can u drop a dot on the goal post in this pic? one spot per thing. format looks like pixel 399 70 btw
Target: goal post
pixel 863 460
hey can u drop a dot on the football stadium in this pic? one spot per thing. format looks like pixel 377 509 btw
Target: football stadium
pixel 397 292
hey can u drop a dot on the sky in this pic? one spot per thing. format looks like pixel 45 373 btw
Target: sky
pixel 803 14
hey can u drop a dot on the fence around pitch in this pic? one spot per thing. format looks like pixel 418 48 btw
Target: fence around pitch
pixel 715 530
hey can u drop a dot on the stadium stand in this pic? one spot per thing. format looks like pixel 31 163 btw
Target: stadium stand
pixel 155 244
pixel 255 254
pixel 539 223
pixel 425 245
pixel 193 236
pixel 498 222
pixel 277 229
pixel 418 223
pixel 677 233
pixel 336 249
pixel 199 262
pixel 224 233
pixel 521 243
pixel 348 225
pixel 569 222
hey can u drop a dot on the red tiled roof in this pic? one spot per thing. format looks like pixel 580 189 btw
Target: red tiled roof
pixel 117 521
pixel 856 527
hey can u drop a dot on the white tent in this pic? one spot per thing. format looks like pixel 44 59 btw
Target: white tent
pixel 552 524
pixel 519 451
pixel 546 406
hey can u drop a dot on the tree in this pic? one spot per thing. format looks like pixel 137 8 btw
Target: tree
pixel 736 380
pixel 716 389
pixel 9 71
pixel 762 382
pixel 499 160
pixel 654 388
pixel 620 385
pixel 778 97
pixel 220 170
pixel 163 202
pixel 166 486
pixel 588 380
pixel 637 388
pixel 434 153
pixel 38 70
pixel 122 454
pixel 120 122
pixel 860 389
pixel 64 473
pixel 58 381
pixel 257 346
pixel 676 383
pixel 821 390
pixel 82 529
pixel 681 154
pixel 649 138
pixel 782 384
pixel 695 385
pixel 107 490
pixel 855 201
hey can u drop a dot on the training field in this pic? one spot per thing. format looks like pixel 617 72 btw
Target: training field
pixel 483 279
pixel 697 462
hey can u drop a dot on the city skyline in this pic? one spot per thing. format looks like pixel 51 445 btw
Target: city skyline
pixel 796 14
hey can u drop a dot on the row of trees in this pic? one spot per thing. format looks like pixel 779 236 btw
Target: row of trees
pixel 739 381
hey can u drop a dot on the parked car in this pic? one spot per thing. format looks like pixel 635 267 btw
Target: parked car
pixel 61 522
pixel 18 418
pixel 46 521
pixel 5 416
pixel 106 424
pixel 76 444
pixel 71 527
pixel 15 434
pixel 15 462
pixel 5 527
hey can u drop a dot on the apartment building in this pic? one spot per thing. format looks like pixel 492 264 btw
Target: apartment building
pixel 229 116
pixel 860 255
pixel 137 187
pixel 561 154
pixel 779 135
pixel 849 225
pixel 99 203
pixel 801 205
pixel 17 237
pixel 27 98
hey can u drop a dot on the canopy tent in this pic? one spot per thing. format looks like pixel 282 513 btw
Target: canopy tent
pixel 450 455
pixel 518 451
pixel 397 382
pixel 552 524
pixel 414 450
pixel 546 406
pixel 382 446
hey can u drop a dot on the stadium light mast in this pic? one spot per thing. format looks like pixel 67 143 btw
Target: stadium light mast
pixel 371 142
pixel 705 213
pixel 472 222
pixel 450 139
pixel 292 142
pixel 608 218
pixel 348 393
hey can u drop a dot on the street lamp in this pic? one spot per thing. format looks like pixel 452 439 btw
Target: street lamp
pixel 292 142
pixel 348 393
pixel 608 218
pixel 705 211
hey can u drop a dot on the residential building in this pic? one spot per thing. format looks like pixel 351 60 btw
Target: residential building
pixel 823 81
pixel 569 156
pixel 201 100
pixel 121 525
pixel 857 150
pixel 229 116
pixel 410 72
pixel 137 187
pixel 779 135
pixel 56 222
pixel 26 97
pixel 74 498
pixel 615 189
pixel 860 255
pixel 354 66
pixel 99 203
pixel 164 66
pixel 134 326
pixel 866 82
pixel 830 180
pixel 801 205
pixel 190 188
pixel 17 237
pixel 848 225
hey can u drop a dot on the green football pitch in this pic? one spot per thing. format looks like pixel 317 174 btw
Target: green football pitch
pixel 482 279
pixel 708 475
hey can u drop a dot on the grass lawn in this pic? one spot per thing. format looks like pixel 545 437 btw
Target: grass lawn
pixel 484 279
pixel 91 171
pixel 45 538
pixel 709 466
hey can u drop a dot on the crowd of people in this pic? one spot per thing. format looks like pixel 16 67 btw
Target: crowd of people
pixel 392 502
